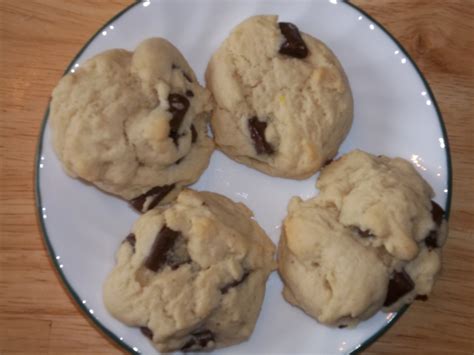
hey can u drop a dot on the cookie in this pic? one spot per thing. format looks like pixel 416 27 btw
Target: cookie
pixel 370 240
pixel 384 198
pixel 192 276
pixel 283 102
pixel 133 123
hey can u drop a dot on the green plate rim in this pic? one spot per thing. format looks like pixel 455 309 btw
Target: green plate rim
pixel 50 248
pixel 447 208
pixel 38 201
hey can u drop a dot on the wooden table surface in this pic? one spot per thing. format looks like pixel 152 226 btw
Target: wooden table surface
pixel 38 38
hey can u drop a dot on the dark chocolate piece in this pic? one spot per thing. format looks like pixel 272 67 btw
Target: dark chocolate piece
pixel 400 284
pixel 131 240
pixel 194 134
pixel 147 332
pixel 176 264
pixel 158 193
pixel 294 46
pixel 421 298
pixel 327 162
pixel 342 326
pixel 163 243
pixel 437 213
pixel 160 196
pixel 361 233
pixel 431 241
pixel 189 93
pixel 178 107
pixel 199 340
pixel 235 283
pixel 257 133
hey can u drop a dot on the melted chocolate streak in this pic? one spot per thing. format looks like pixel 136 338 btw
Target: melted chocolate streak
pixel 199 340
pixel 235 283
pixel 178 106
pixel 437 213
pixel 158 193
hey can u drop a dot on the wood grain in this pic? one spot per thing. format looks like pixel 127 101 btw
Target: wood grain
pixel 37 41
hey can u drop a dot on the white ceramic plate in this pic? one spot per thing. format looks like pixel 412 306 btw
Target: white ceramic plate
pixel 395 115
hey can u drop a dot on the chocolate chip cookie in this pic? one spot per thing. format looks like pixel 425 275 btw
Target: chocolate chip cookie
pixel 133 123
pixel 192 276
pixel 283 102
pixel 371 240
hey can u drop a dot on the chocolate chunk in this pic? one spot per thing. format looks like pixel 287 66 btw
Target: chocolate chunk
pixel 189 93
pixel 163 243
pixel 327 162
pixel 174 264
pixel 227 287
pixel 257 133
pixel 158 193
pixel 188 78
pixel 421 298
pixel 437 213
pixel 342 326
pixel 431 241
pixel 194 134
pixel 131 240
pixel 361 233
pixel 199 340
pixel 178 107
pixel 294 45
pixel 147 332
pixel 400 284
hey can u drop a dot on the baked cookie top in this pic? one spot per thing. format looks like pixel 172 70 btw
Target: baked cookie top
pixel 370 240
pixel 283 102
pixel 384 198
pixel 327 272
pixel 129 122
pixel 192 275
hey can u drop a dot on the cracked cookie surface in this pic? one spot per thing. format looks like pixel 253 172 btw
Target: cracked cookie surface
pixel 192 276
pixel 283 102
pixel 370 240
pixel 133 123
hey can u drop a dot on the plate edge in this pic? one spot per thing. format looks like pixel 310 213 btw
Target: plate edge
pixel 50 249
pixel 368 342
pixel 38 201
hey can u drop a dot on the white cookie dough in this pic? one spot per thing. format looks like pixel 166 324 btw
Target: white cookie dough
pixel 281 114
pixel 192 275
pixel 129 122
pixel 370 240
